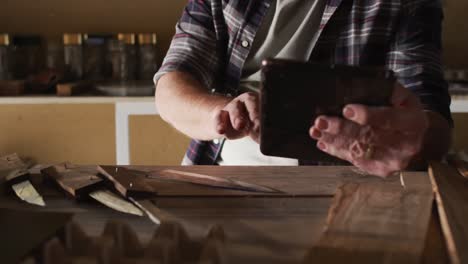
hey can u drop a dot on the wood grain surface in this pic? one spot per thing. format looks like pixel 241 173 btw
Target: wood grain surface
pixel 292 181
pixel 375 223
pixel 258 229
pixel 452 201
pixel 50 131
pixel 20 236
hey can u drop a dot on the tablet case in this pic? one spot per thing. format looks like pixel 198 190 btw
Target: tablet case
pixel 294 93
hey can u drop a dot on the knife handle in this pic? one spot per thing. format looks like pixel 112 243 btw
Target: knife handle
pixel 75 181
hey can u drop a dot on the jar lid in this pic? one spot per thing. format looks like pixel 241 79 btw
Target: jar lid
pixel 127 38
pixel 72 39
pixel 4 39
pixel 145 39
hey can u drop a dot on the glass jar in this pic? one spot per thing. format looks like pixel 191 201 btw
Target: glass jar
pixel 55 55
pixel 123 57
pixel 5 73
pixel 73 56
pixel 148 56
pixel 28 56
pixel 94 67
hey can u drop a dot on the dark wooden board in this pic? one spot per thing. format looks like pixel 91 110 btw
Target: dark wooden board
pixel 24 231
pixel 292 181
pixel 452 201
pixel 435 250
pixel 375 223
pixel 259 229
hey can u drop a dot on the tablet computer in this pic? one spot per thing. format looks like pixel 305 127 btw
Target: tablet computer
pixel 294 94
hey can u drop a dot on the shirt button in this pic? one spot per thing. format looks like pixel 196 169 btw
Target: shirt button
pixel 245 44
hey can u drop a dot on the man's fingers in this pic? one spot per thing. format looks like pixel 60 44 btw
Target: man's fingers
pixel 406 142
pixel 411 121
pixel 223 122
pixel 239 118
pixel 224 126
pixel 252 106
pixel 238 115
pixel 383 162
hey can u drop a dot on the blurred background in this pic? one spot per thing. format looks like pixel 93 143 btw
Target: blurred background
pixel 115 125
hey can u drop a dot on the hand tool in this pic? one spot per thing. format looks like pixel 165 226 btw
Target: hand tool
pixel 15 173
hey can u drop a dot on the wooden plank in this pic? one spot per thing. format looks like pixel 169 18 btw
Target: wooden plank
pixel 452 201
pixel 258 229
pixel 292 181
pixel 77 181
pixel 210 180
pixel 435 251
pixel 375 223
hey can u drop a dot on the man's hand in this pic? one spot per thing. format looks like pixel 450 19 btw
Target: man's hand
pixel 239 118
pixel 378 140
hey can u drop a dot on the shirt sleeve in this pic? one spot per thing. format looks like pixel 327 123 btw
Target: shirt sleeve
pixel 193 46
pixel 415 55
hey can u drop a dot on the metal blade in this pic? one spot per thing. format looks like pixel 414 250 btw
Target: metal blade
pixel 26 192
pixel 213 181
pixel 150 215
pixel 115 202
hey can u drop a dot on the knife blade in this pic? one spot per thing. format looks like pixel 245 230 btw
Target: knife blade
pixel 212 181
pixel 130 183
pixel 113 201
pixel 26 192
pixel 14 171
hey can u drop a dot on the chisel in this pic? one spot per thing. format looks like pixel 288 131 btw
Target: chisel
pixel 81 182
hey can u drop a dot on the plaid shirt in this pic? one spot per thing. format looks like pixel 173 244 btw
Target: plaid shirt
pixel 213 39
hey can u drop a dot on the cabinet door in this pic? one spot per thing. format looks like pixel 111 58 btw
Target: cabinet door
pixel 58 132
pixel 155 142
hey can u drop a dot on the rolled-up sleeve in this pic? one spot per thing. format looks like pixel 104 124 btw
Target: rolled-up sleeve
pixel 193 46
pixel 415 55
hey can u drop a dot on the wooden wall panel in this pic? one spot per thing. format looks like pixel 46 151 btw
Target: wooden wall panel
pixel 50 133
pixel 154 142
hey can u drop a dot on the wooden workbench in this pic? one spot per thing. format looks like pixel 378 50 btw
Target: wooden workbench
pixel 280 228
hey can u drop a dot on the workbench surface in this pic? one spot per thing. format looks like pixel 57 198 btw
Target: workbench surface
pixel 280 228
